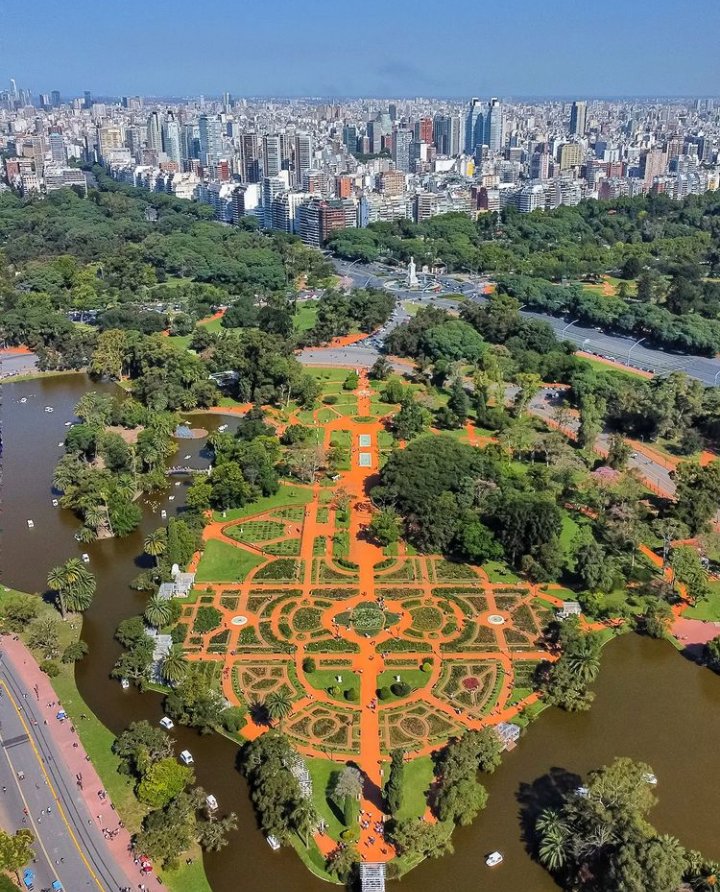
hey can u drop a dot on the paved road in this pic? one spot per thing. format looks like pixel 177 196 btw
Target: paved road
pixel 69 846
pixel 544 404
pixel 624 350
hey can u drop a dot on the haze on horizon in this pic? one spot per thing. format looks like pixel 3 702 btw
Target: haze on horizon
pixel 379 49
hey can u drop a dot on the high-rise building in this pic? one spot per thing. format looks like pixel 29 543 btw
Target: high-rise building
pixel 272 155
pixel 57 147
pixel 424 130
pixel 474 132
pixel 210 139
pixel 303 156
pixel 171 139
pixel 250 158
pixel 350 137
pixel 578 118
pixel 109 138
pixel 55 98
pixel 494 126
pixel 87 99
pixel 401 149
pixel 571 155
pixel 154 132
pixel 374 135
pixel 272 187
pixel 392 111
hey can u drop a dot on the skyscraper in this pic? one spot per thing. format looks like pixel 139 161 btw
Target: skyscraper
pixel 210 139
pixel 171 139
pixel 272 155
pixel 578 118
pixel 494 136
pixel 154 132
pixel 473 126
pixel 57 146
pixel 303 156
pixel 401 149
pixel 55 98
pixel 250 158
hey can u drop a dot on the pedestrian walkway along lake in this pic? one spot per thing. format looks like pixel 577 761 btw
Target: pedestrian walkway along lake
pixel 651 703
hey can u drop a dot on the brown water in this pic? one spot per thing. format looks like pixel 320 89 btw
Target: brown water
pixel 651 703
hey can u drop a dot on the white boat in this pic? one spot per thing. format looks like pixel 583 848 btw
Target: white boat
pixel 167 723
pixel 23 399
pixel 222 428
pixel 582 791
pixel 55 503
pixel 177 483
pixel 650 778
pixel 163 514
pixel 187 457
pixel 61 443
pixel 85 557
pixel 68 424
pixel 49 409
pixel 493 859
pixel 211 803
pixel 124 684
pixel 186 757
pixel 31 524
pixel 171 498
pixel 273 842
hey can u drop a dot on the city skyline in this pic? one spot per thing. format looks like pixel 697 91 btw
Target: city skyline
pixel 610 52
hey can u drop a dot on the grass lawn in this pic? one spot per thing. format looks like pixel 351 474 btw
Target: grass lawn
pixel 305 316
pixel 627 372
pixel 285 497
pixel 326 374
pixel 709 608
pixel 416 678
pixel 222 562
pixel 499 572
pixel 322 679
pixel 417 777
pixel 321 771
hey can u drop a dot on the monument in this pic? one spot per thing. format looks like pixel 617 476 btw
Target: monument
pixel 412 280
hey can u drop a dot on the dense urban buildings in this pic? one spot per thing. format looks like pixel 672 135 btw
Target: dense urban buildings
pixel 311 166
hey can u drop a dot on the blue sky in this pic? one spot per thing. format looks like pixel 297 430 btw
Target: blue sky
pixel 369 48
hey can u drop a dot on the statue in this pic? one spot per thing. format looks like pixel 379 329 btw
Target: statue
pixel 412 279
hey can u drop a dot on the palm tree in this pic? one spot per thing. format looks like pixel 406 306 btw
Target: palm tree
pixel 174 665
pixel 56 583
pixel 549 820
pixel 278 705
pixel 584 661
pixel 552 849
pixel 158 612
pixel 305 818
pixel 156 543
pixel 86 534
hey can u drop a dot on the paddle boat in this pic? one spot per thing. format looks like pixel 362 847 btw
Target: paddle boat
pixel 273 842
pixel 493 859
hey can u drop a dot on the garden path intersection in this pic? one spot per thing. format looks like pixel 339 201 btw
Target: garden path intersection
pixel 466 646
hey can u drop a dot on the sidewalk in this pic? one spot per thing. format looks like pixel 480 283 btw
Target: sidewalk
pixel 73 760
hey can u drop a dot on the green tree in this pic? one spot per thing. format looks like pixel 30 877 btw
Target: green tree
pixel 385 526
pixel 279 705
pixel 416 838
pixel 44 635
pixel 16 850
pixel 74 585
pixel 158 612
pixel 212 835
pixel 162 781
pixel 155 543
pixel 394 790
pixel 174 664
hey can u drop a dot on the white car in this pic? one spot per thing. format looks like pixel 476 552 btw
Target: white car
pixel 493 859
pixel 167 723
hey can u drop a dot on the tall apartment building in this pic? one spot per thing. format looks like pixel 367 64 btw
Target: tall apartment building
pixel 474 127
pixel 317 219
pixel 303 156
pixel 401 149
pixel 171 139
pixel 272 152
pixel 250 154
pixel 494 125
pixel 578 118
pixel 210 139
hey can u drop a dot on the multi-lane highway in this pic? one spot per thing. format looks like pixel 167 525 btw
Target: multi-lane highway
pixel 627 351
pixel 39 793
